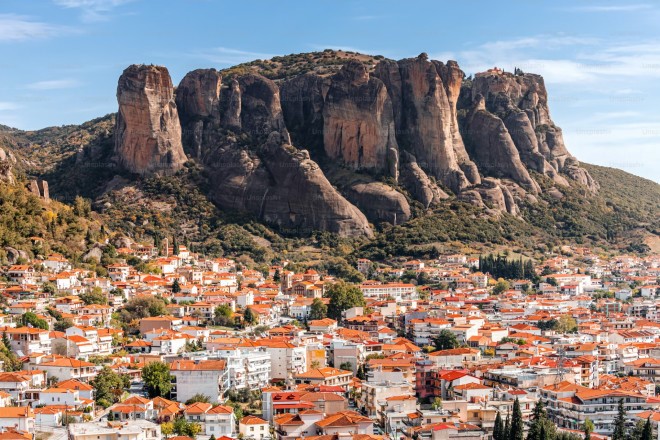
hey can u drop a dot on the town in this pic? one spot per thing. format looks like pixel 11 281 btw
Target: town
pixel 166 343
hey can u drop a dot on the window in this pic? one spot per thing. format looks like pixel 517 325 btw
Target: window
pixel 251 428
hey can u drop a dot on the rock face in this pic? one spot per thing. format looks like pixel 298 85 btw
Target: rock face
pixel 7 162
pixel 253 167
pixel 426 120
pixel 148 132
pixel 198 102
pixel 358 121
pixel 413 124
pixel 490 144
pixel 39 188
pixel 521 102
pixel 421 187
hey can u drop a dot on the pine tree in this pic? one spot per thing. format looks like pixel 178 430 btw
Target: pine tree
pixel 498 428
pixel 517 431
pixel 619 432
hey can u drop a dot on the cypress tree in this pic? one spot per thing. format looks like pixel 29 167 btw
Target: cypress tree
pixel 517 431
pixel 497 429
pixel 507 428
pixel 538 419
pixel 647 433
pixel 619 432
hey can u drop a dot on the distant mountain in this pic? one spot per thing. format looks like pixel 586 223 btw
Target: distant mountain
pixel 397 157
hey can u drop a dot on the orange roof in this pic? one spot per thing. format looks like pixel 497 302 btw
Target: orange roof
pixel 252 420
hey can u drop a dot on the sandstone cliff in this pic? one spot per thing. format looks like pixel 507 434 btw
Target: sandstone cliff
pixel 521 102
pixel 244 144
pixel 148 132
pixel 358 121
pixel 372 132
pixel 425 128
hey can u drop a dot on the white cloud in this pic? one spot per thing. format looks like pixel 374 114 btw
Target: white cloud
pixel 230 57
pixel 5 105
pixel 612 8
pixel 92 10
pixel 18 28
pixel 55 84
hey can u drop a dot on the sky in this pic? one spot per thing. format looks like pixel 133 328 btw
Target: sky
pixel 600 59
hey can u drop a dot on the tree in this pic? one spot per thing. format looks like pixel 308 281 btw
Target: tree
pixel 140 307
pixel 647 433
pixel 62 325
pixel 343 296
pixel 31 319
pixel 437 403
pixel 507 428
pixel 361 373
pixel 276 276
pixel 346 366
pixel 157 379
pixel 318 309
pixel 223 314
pixel 249 316
pixel 566 324
pixel 96 296
pixel 498 428
pixel 517 431
pixel 109 387
pixel 588 428
pixel 446 340
pixel 176 287
pixel 619 432
pixel 167 429
pixel 541 427
pixel 501 286
pixel 198 398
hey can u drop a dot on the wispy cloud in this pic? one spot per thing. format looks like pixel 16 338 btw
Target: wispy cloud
pixel 5 105
pixel 229 57
pixel 588 59
pixel 55 84
pixel 612 8
pixel 92 10
pixel 19 28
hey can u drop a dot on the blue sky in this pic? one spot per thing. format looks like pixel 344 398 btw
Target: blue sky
pixel 601 59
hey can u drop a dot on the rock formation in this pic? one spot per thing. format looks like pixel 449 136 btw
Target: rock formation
pixel 39 188
pixel 7 162
pixel 521 102
pixel 418 183
pixel 358 124
pixel 412 126
pixel 492 148
pixel 148 132
pixel 426 119
pixel 198 101
pixel 253 167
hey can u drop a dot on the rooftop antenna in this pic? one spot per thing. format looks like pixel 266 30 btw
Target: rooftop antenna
pixel 561 357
